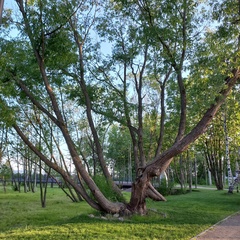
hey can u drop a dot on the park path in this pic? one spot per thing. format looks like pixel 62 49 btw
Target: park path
pixel 227 229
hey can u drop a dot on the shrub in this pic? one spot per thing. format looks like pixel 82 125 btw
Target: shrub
pixel 106 189
pixel 166 187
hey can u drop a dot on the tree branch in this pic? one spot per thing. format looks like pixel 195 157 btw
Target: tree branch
pixel 154 194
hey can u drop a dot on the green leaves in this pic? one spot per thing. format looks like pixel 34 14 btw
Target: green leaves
pixel 7 112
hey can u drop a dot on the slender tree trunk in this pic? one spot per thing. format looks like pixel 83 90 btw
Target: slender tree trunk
pixel 230 177
pixel 163 113
pixel 190 175
pixel 4 184
pixel 82 84
pixel 195 172
pixel 19 175
pixel 25 175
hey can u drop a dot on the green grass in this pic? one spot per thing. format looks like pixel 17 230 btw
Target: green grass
pixel 181 217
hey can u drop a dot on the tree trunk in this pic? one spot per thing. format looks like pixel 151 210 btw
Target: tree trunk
pixel 190 176
pixel 195 171
pixel 4 184
pixel 141 189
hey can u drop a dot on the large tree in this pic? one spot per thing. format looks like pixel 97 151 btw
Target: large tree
pixel 56 66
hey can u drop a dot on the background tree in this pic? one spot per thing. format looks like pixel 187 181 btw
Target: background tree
pixel 5 174
pixel 214 151
pixel 119 152
pixel 212 144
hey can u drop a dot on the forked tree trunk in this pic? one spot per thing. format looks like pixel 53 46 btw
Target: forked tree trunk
pixel 142 188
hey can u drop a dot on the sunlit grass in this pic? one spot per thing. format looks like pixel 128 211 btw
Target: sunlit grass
pixel 181 217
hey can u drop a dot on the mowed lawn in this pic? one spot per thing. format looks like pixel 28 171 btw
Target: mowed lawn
pixel 181 217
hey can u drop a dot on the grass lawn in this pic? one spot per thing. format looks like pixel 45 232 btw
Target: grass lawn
pixel 181 217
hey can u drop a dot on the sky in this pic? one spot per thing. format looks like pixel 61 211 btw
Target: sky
pixel 10 4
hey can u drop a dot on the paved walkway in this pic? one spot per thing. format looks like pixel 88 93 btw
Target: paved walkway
pixel 229 228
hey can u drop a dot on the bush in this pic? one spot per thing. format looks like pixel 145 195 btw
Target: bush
pixel 15 188
pixel 106 189
pixel 166 187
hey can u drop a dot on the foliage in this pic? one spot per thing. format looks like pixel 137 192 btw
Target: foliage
pixel 166 187
pixel 106 189
pixel 119 151
pixel 212 144
pixel 5 171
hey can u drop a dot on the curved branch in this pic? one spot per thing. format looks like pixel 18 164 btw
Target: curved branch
pixel 154 194
pixel 36 103
pixel 88 102
pixel 163 113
